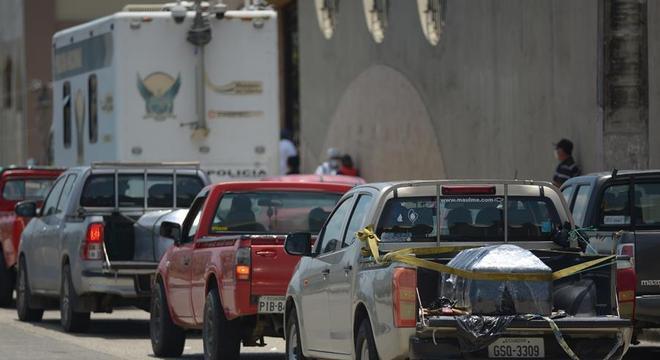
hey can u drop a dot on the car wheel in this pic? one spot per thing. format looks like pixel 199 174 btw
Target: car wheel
pixel 167 339
pixel 23 295
pixel 293 344
pixel 222 338
pixel 71 320
pixel 365 346
pixel 6 283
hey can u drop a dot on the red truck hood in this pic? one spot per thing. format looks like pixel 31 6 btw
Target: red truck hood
pixel 272 267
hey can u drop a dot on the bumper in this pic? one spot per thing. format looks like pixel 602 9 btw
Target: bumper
pixel 647 308
pixel 589 339
pixel 123 281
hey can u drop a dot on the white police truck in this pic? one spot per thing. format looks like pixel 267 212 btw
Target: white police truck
pixel 173 82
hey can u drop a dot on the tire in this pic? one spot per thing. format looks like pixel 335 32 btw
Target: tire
pixel 222 339
pixel 71 320
pixel 167 339
pixel 23 295
pixel 365 346
pixel 293 344
pixel 6 283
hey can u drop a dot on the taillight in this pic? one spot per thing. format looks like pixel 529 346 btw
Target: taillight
pixel 19 224
pixel 404 294
pixel 626 250
pixel 626 280
pixel 93 246
pixel 243 258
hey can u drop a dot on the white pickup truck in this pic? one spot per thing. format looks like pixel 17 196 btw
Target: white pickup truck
pixel 347 301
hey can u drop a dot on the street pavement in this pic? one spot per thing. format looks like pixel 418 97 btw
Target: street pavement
pixel 124 334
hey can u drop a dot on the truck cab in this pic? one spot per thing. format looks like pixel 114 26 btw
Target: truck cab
pixel 619 213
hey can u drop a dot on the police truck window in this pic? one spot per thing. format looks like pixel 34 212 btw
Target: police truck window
pixel 92 108
pixel 66 114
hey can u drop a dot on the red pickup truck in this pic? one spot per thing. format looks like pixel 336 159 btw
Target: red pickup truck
pixel 17 184
pixel 227 272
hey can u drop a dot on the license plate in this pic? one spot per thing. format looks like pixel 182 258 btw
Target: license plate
pixel 271 305
pixel 514 348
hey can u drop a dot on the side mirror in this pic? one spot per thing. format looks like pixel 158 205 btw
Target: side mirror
pixel 298 244
pixel 170 230
pixel 26 209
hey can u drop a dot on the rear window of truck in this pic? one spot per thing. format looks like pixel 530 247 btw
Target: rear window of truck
pixel 615 206
pixel 273 212
pixel 26 189
pixel 469 218
pixel 99 190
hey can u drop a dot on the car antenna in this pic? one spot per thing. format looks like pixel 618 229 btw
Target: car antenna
pixel 614 172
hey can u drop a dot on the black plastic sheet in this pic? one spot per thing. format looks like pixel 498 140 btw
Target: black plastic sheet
pixel 477 332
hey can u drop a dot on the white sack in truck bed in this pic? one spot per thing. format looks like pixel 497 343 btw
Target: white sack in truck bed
pixel 494 297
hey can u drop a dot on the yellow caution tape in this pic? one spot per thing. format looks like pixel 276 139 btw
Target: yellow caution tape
pixel 408 256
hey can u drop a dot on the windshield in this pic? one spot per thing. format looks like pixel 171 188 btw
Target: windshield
pixel 99 190
pixel 26 189
pixel 276 212
pixel 470 218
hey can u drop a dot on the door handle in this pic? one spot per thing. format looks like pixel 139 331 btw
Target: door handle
pixel 266 253
pixel 325 273
pixel 348 268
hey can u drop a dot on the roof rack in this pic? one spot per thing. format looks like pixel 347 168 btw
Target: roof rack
pixel 138 164
pixel 31 167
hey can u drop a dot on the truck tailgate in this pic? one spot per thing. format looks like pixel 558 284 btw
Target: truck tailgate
pixel 588 337
pixel 647 266
pixel 272 267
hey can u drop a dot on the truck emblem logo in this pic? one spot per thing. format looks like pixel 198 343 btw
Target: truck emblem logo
pixel 650 282
pixel 158 90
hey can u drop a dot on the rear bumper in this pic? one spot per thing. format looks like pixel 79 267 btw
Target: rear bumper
pixel 589 339
pixel 123 280
pixel 647 308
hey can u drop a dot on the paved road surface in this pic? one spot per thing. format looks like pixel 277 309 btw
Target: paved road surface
pixel 124 334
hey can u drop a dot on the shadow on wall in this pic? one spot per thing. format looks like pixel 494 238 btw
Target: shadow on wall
pixel 382 122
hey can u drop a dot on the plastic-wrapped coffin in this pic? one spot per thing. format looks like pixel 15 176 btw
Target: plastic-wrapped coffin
pixel 487 297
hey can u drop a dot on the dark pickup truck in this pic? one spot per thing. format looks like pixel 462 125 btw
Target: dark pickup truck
pixel 620 213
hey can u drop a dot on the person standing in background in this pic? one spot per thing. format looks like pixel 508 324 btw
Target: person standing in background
pixel 287 150
pixel 330 166
pixel 567 167
pixel 347 167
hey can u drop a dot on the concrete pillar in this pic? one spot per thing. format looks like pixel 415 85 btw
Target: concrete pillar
pixel 625 124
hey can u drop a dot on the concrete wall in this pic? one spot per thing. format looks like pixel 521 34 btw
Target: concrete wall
pixel 12 149
pixel 507 78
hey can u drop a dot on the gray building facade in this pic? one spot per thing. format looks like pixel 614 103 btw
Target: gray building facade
pixel 506 79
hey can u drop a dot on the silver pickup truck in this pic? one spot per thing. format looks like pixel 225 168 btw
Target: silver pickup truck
pixel 93 246
pixel 345 302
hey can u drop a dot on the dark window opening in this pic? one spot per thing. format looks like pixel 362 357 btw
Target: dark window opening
pixel 7 85
pixel 66 113
pixel 92 108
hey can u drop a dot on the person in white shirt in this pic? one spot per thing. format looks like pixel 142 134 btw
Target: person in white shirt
pixel 287 150
pixel 330 166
